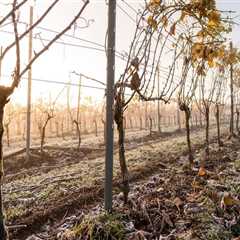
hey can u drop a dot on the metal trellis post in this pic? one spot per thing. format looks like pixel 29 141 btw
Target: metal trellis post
pixel 109 105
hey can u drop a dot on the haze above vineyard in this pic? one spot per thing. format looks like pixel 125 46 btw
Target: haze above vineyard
pixel 119 119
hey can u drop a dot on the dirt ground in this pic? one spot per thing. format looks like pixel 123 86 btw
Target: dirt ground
pixel 49 195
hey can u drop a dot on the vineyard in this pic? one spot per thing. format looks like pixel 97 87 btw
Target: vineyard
pixel 100 143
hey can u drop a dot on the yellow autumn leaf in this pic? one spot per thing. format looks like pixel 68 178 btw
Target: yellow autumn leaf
pixel 154 5
pixel 155 2
pixel 198 46
pixel 152 22
pixel 221 53
pixel 211 63
pixel 197 51
pixel 214 16
pixel 212 24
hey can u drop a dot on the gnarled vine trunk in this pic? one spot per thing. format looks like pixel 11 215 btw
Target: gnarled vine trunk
pixel 7 133
pixel 200 119
pixel 3 232
pixel 122 161
pixel 217 116
pixel 237 120
pixel 150 126
pixel 119 119
pixel 57 128
pixel 124 123
pixel 96 127
pixel 207 131
pixel 187 113
pixel 196 121
pixel 78 129
pixel 62 128
pixel 140 123
pixel 43 132
pixel 179 120
pixel 159 119
pixel 130 123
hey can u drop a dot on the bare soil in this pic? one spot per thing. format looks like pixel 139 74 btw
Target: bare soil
pixel 66 182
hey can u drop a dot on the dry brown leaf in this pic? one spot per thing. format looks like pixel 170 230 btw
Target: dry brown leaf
pixel 228 200
pixel 183 15
pixel 178 203
pixel 173 29
pixel 202 172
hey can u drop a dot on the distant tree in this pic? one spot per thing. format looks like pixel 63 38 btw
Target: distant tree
pixel 75 115
pixel 6 91
pixel 45 112
pixel 9 115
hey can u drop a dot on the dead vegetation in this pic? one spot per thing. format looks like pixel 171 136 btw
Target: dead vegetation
pixel 172 202
pixel 157 205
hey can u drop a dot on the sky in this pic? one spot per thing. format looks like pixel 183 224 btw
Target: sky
pixel 61 59
pixel 71 53
pixel 232 5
